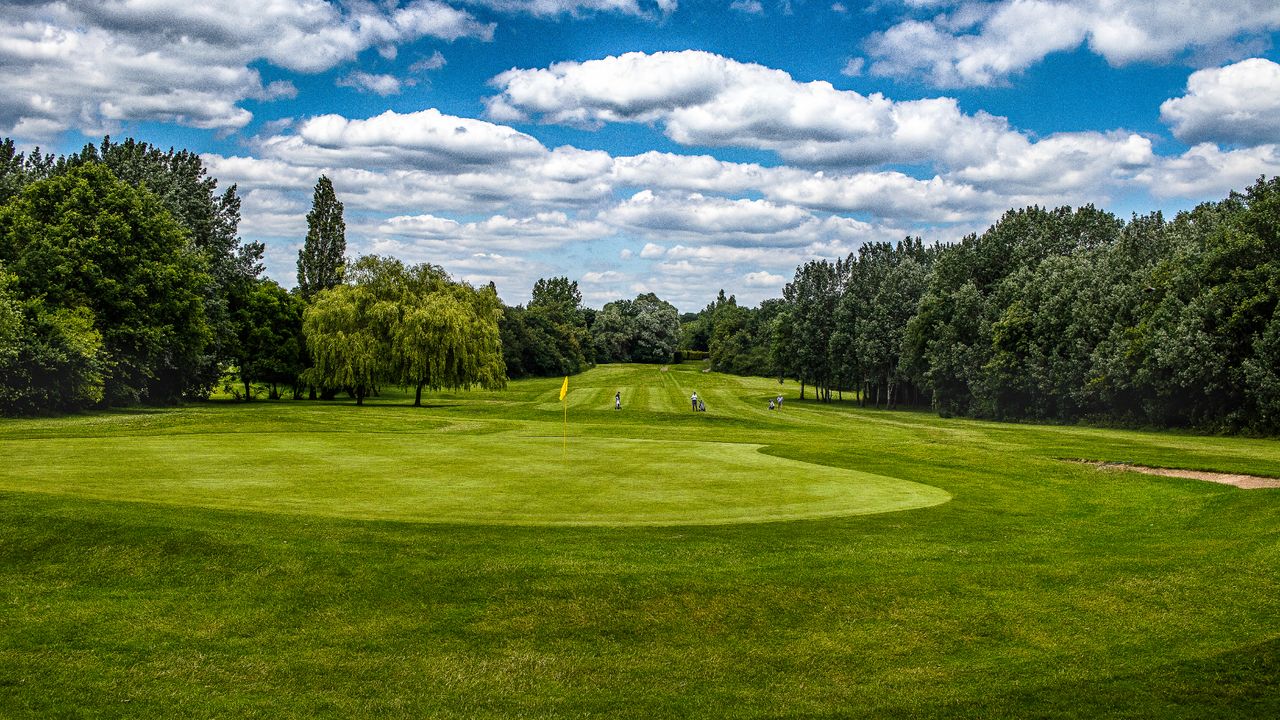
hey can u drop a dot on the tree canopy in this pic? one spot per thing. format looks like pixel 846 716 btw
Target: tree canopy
pixel 322 259
pixel 410 326
pixel 110 290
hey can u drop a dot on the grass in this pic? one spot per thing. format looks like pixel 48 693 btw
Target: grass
pixel 318 559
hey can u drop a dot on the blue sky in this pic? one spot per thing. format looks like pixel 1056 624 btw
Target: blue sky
pixel 670 146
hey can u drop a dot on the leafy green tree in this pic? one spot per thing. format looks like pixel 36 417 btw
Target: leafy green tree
pixel 322 258
pixel 343 326
pixel 178 179
pixel 105 259
pixel 270 344
pixel 646 330
pixel 440 334
pixel 211 218
pixel 550 336
pixel 48 360
pixel 812 296
pixel 407 325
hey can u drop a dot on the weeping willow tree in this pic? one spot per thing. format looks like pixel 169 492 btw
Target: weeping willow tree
pixel 449 339
pixel 412 326
pixel 344 331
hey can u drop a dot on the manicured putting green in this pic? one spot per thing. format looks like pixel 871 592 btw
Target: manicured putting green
pixel 500 478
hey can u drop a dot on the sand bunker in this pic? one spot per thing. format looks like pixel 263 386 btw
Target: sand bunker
pixel 1247 482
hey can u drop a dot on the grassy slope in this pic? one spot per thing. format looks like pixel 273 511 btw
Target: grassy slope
pixel 1041 589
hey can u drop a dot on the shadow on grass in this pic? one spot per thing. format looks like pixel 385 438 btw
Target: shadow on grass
pixel 1239 683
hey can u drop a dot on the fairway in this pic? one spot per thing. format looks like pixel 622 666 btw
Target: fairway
pixel 315 559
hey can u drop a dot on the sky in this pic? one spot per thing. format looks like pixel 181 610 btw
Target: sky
pixel 668 146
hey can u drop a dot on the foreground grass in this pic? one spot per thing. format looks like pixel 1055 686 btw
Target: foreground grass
pixel 1041 588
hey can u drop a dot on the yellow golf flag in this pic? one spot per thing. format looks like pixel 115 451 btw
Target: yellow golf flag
pixel 564 389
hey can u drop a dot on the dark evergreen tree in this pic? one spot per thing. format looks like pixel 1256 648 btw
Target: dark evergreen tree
pixel 322 259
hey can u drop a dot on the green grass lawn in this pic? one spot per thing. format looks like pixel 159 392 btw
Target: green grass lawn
pixel 296 559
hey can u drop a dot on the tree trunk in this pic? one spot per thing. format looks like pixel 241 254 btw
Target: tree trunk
pixel 801 389
pixel 359 395
pixel 247 395
pixel 417 396
pixel 311 392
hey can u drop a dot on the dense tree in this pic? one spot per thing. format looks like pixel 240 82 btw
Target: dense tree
pixel 270 348
pixel 322 259
pixel 551 336
pixel 812 298
pixel 178 179
pixel 440 334
pixel 407 325
pixel 96 260
pixel 646 329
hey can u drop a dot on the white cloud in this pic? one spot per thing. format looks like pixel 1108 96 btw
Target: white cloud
pixel 700 214
pixel 606 277
pixel 984 43
pixel 853 67
pixel 703 220
pixel 750 7
pixel 552 8
pixel 703 99
pixel 1238 105
pixel 701 173
pixel 1063 163
pixel 427 138
pixel 1209 172
pixel 90 65
pixel 538 232
pixel 378 84
pixel 652 250
pixel 427 64
pixel 762 279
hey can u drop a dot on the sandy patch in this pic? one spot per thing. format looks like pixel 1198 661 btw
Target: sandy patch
pixel 1247 482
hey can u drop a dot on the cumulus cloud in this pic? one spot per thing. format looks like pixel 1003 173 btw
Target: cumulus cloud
pixel 1063 163
pixel 1207 171
pixel 1235 105
pixel 700 214
pixel 696 218
pixel 540 231
pixel 703 99
pixel 763 279
pixel 88 65
pixel 427 138
pixel 750 7
pixel 978 43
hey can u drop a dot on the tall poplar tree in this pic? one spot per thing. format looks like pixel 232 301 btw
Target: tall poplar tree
pixel 321 260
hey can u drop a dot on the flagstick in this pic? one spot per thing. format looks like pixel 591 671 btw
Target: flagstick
pixel 565 403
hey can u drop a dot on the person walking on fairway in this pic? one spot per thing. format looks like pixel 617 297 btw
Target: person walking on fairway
pixel 617 400
pixel 779 402
pixel 693 400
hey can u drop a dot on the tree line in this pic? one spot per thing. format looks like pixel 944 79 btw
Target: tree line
pixel 123 280
pixel 1055 314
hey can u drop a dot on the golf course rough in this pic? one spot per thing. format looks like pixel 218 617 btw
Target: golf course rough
pixel 497 478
